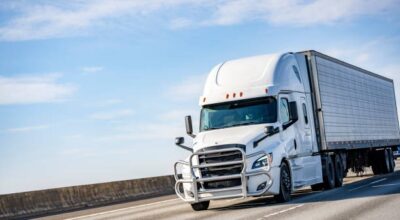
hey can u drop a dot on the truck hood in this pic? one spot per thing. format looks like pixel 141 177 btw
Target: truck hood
pixel 234 135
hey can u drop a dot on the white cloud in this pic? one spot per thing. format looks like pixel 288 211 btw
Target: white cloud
pixel 296 12
pixel 188 89
pixel 151 131
pixel 105 103
pixel 178 115
pixel 111 102
pixel 42 20
pixel 74 136
pixel 33 89
pixel 92 69
pixel 178 23
pixel 112 115
pixel 26 128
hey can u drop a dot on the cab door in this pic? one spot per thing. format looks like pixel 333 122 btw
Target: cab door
pixel 288 131
pixel 305 128
pixel 308 162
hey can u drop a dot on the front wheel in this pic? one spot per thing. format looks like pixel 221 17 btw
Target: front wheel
pixel 200 206
pixel 285 184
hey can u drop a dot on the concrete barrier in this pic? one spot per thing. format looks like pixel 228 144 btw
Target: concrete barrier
pixel 42 202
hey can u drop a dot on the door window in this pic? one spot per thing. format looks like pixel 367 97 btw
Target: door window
pixel 284 110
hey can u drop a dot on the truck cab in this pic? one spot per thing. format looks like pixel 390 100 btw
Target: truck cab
pixel 256 133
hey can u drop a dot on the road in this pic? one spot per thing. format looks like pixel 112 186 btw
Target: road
pixel 367 197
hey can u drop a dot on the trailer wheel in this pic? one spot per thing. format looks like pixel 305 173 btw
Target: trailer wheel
pixel 391 160
pixel 345 172
pixel 338 171
pixel 385 161
pixel 329 172
pixel 376 162
pixel 200 206
pixel 285 185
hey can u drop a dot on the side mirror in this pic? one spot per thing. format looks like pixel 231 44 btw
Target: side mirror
pixel 269 130
pixel 179 140
pixel 189 126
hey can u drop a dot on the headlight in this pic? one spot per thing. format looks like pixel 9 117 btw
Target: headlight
pixel 263 161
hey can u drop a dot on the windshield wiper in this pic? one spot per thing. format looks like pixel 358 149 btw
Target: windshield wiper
pixel 245 123
pixel 233 125
pixel 249 123
pixel 212 128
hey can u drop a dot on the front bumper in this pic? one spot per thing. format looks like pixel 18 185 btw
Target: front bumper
pixel 191 188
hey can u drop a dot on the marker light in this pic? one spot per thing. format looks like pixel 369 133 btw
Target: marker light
pixel 227 96
pixel 241 94
pixel 204 99
pixel 234 95
pixel 266 90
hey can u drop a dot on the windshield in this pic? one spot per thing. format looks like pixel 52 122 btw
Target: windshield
pixel 246 112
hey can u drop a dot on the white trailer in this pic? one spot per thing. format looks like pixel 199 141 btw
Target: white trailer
pixel 272 124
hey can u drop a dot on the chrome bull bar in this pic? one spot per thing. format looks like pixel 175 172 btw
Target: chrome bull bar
pixel 200 195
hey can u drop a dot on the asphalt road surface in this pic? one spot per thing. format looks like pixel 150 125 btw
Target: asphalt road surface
pixel 366 197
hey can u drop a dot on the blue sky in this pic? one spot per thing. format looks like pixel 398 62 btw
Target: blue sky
pixel 96 91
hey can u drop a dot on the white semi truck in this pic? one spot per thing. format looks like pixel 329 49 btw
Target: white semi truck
pixel 273 124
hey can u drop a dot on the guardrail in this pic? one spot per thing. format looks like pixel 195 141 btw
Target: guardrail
pixel 51 201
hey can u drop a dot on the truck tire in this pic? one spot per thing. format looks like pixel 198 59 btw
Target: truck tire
pixel 328 172
pixel 345 172
pixel 376 162
pixel 285 184
pixel 338 171
pixel 385 161
pixel 200 206
pixel 391 160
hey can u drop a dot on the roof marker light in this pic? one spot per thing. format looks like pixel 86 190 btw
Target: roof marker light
pixel 266 90
pixel 204 99
pixel 227 96
pixel 241 94
pixel 234 95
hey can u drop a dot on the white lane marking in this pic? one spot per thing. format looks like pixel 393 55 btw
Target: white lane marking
pixel 282 211
pixel 389 184
pixel 118 210
pixel 377 181
pixel 373 182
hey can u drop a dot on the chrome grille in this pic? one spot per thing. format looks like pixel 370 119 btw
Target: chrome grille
pixel 223 170
pixel 209 188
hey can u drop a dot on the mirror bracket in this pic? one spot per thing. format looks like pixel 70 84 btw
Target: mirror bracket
pixel 269 131
pixel 179 142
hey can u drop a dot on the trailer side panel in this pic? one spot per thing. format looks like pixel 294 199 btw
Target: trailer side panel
pixel 357 108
